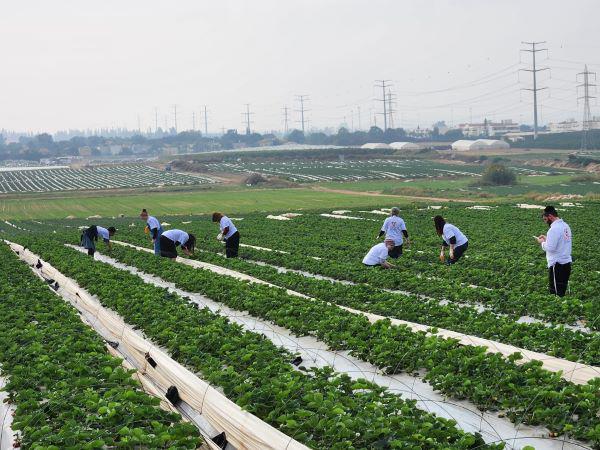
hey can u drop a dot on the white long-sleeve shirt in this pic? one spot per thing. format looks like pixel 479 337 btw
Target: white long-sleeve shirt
pixel 377 255
pixel 393 227
pixel 451 231
pixel 226 222
pixel 177 236
pixel 558 244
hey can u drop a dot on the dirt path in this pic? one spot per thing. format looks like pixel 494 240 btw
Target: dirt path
pixel 379 194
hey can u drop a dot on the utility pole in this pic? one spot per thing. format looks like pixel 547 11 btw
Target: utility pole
pixel 193 121
pixel 175 117
pixel 535 89
pixel 247 115
pixel 390 108
pixel 156 120
pixel 587 115
pixel 359 127
pixel 285 120
pixel 205 121
pixel 302 110
pixel 382 84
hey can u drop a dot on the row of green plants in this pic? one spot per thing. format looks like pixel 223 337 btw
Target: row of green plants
pixel 318 407
pixel 556 341
pixel 69 392
pixel 526 393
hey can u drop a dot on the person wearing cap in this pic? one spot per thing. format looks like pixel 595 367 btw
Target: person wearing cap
pixel 90 236
pixel 394 229
pixel 229 233
pixel 378 255
pixel 557 245
pixel 171 239
pixel 452 239
pixel 155 229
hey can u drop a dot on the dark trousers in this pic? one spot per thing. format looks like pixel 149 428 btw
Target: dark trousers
pixel 168 248
pixel 395 252
pixel 232 245
pixel 458 252
pixel 558 278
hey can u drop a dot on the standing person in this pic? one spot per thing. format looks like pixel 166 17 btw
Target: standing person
pixel 229 234
pixel 394 229
pixel 170 239
pixel 90 236
pixel 155 229
pixel 378 255
pixel 557 245
pixel 452 238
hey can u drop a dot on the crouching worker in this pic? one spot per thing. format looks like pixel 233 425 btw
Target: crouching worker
pixel 228 233
pixel 90 236
pixel 394 228
pixel 170 239
pixel 452 238
pixel 378 255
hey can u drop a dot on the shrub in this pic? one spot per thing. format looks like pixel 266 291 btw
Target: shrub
pixel 498 175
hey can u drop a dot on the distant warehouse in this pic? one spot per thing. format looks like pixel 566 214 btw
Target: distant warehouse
pixel 376 146
pixel 406 146
pixel 480 144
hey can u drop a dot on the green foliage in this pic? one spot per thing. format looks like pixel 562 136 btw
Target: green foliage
pixel 497 175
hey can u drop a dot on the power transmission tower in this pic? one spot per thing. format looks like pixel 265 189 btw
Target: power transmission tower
pixel 535 89
pixel 391 110
pixel 175 117
pixel 285 119
pixel 302 110
pixel 205 121
pixel 247 115
pixel 587 116
pixel 382 84
pixel 156 120
pixel 193 121
pixel 359 127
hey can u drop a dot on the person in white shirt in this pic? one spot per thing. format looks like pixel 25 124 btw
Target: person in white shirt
pixel 90 236
pixel 394 229
pixel 155 229
pixel 171 239
pixel 558 246
pixel 452 239
pixel 378 255
pixel 229 233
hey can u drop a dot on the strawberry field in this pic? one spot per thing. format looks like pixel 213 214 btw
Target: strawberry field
pixel 298 333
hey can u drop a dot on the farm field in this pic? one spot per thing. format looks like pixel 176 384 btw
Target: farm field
pixel 25 180
pixel 504 364
pixel 307 171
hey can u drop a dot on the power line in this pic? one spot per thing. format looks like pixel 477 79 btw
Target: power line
pixel 302 98
pixel 534 72
pixel 382 84
pixel 587 116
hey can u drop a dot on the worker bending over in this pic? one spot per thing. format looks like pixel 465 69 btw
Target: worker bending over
pixel 378 255
pixel 90 236
pixel 155 229
pixel 229 233
pixel 171 239
pixel 452 238
pixel 394 229
pixel 558 246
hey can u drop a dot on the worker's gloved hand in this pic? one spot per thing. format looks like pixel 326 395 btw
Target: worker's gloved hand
pixel 442 257
pixel 220 237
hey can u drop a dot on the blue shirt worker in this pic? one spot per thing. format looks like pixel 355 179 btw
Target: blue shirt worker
pixel 155 229
pixel 558 245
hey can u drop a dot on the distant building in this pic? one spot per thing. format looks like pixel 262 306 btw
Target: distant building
pixel 571 125
pixel 489 128
pixel 406 146
pixel 479 144
pixel 375 146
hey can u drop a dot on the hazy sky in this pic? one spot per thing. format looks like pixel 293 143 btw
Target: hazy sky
pixel 89 64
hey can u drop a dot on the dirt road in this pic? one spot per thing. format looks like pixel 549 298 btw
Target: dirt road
pixel 379 194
